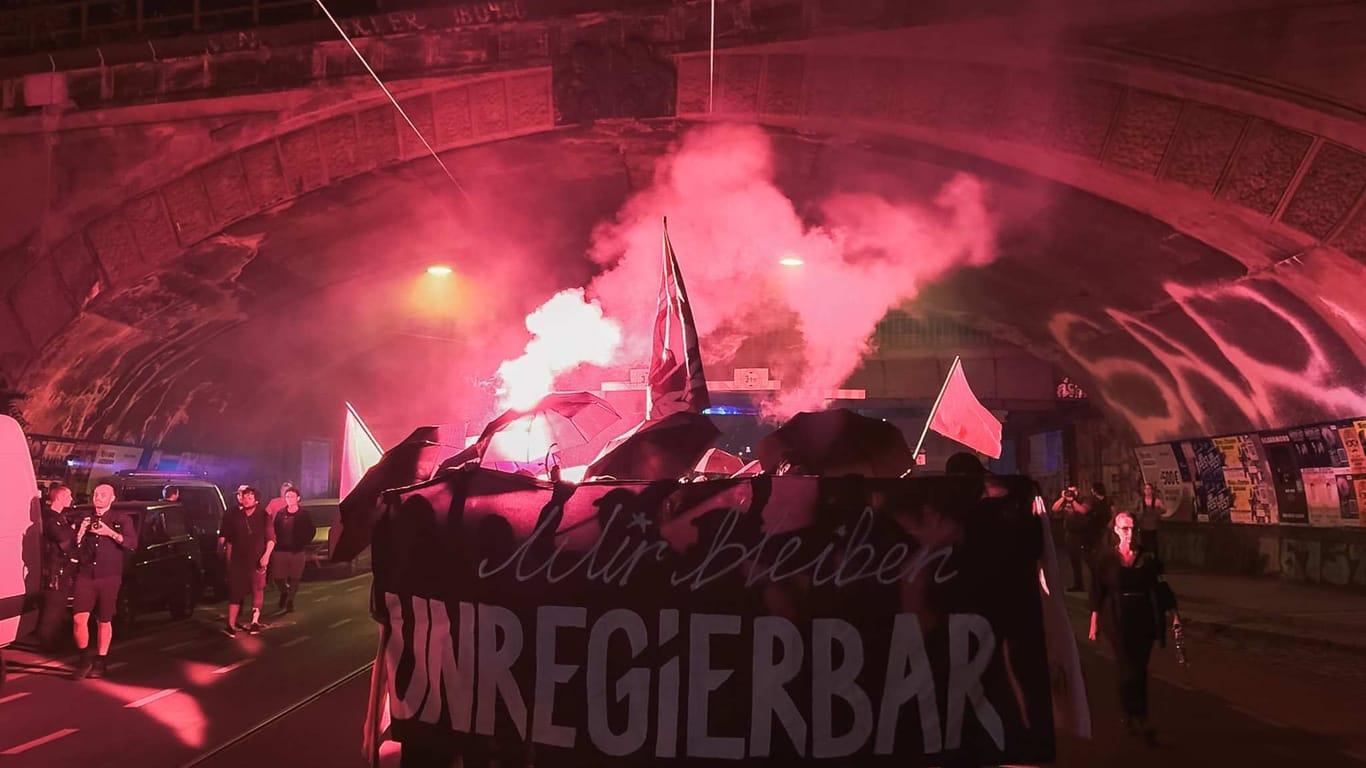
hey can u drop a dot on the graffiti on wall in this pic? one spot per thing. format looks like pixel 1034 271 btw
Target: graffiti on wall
pixel 1217 359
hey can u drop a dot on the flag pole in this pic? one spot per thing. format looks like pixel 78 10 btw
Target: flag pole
pixel 916 453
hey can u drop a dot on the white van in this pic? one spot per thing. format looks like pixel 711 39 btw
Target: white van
pixel 20 535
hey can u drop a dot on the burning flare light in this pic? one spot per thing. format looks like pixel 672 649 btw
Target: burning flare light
pixel 567 331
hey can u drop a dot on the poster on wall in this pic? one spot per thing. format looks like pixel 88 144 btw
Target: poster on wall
pixel 109 459
pixel 1213 501
pixel 1353 437
pixel 1321 496
pixel 1158 465
pixel 1291 506
pixel 1317 446
pixel 1248 477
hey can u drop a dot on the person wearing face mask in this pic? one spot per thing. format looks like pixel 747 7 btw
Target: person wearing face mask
pixel 1129 603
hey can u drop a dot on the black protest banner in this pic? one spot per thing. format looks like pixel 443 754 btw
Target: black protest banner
pixel 784 620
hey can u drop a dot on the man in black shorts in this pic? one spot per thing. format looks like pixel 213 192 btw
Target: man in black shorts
pixel 103 540
pixel 248 539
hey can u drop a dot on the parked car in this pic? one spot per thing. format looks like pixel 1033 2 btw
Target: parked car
pixel 165 571
pixel 325 514
pixel 204 508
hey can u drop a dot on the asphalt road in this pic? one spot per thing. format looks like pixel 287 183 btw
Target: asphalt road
pixel 182 692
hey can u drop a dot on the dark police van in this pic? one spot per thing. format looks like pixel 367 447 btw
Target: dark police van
pixel 204 508
pixel 164 572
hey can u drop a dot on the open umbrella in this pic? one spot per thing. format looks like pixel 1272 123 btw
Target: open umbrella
pixel 560 419
pixel 718 462
pixel 664 449
pixel 836 442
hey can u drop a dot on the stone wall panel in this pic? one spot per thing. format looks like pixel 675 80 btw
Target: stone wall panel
pixel 1146 124
pixel 303 161
pixel 337 137
pixel 41 302
pixel 151 227
pixel 1081 118
pixel 454 125
pixel 489 107
pixel 227 188
pixel 1204 142
pixel 265 175
pixel 377 135
pixel 528 102
pixel 1329 189
pixel 188 203
pixel 1265 166
pixel 782 84
pixel 737 84
pixel 77 267
pixel 116 249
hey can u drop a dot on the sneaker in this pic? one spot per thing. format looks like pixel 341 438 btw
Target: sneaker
pixel 100 668
pixel 82 668
pixel 255 628
pixel 289 606
pixel 230 631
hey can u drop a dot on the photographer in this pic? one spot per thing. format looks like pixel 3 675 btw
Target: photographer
pixel 103 540
pixel 1078 533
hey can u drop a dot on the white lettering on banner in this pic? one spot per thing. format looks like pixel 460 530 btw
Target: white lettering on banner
pixel 632 687
pixel 770 696
pixel 495 668
pixel 451 672
pixel 549 618
pixel 829 682
pixel 489 638
pixel 902 685
pixel 702 680
pixel 965 678
pixel 837 563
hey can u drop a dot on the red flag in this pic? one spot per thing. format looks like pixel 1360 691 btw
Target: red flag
pixel 676 380
pixel 959 417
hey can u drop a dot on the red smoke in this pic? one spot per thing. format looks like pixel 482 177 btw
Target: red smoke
pixel 730 225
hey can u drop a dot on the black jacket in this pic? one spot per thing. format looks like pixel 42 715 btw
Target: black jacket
pixel 301 533
pixel 59 544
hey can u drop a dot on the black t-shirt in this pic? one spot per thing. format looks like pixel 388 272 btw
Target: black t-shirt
pixel 248 535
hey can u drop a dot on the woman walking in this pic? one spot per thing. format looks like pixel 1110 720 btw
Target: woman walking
pixel 1129 603
pixel 1149 515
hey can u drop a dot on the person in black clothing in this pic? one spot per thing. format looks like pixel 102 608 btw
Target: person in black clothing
pixel 1101 510
pixel 294 531
pixel 1078 533
pixel 103 540
pixel 247 539
pixel 59 547
pixel 1129 603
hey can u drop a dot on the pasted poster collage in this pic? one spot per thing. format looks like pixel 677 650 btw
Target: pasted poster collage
pixel 1305 475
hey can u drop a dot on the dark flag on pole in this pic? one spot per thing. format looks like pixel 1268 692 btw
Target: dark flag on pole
pixel 676 380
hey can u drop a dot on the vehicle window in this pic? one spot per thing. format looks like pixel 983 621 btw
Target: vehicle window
pixel 203 510
pixel 153 529
pixel 174 521
pixel 140 493
pixel 323 515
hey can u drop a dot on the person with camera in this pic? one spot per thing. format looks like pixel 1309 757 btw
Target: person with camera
pixel 103 540
pixel 1077 533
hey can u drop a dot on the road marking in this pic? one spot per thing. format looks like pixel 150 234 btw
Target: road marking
pixel 358 588
pixel 321 599
pixel 177 646
pixel 15 696
pixel 295 642
pixel 231 667
pixel 336 624
pixel 1249 713
pixel 145 700
pixel 118 665
pixel 26 746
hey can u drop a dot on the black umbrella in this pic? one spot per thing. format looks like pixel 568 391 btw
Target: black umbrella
pixel 411 461
pixel 664 449
pixel 834 443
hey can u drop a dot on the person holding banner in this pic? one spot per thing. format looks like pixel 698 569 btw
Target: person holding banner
pixel 1129 603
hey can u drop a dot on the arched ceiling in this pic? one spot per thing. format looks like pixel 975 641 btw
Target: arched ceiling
pixel 1191 250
